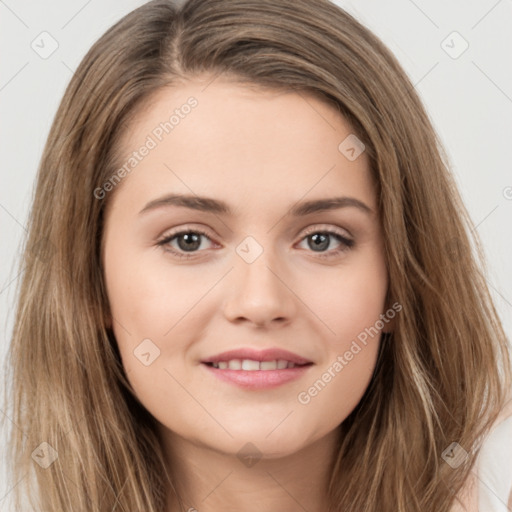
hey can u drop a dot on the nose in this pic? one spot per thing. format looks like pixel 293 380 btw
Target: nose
pixel 259 294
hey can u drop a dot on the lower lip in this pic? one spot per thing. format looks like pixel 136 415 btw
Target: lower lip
pixel 259 379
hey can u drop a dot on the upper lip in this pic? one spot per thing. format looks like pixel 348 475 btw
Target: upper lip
pixel 270 354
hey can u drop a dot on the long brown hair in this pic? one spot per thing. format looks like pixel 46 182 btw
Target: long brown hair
pixel 442 376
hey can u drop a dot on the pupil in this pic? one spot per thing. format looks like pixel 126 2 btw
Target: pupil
pixel 189 238
pixel 192 241
pixel 322 243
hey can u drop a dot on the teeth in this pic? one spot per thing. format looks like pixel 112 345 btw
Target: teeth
pixel 248 364
pixel 251 365
pixel 235 364
pixel 268 365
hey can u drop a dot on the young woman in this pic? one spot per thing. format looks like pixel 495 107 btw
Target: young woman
pixel 248 280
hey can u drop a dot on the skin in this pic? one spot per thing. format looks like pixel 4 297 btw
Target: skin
pixel 261 152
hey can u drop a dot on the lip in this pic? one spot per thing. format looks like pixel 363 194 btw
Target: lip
pixel 269 354
pixel 258 379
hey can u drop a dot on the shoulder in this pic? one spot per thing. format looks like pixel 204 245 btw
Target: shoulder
pixel 495 465
pixel 489 486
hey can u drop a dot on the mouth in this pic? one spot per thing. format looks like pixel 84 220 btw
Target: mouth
pixel 252 369
pixel 251 365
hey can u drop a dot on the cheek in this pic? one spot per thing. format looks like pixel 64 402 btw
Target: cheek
pixel 352 299
pixel 352 349
pixel 147 298
pixel 150 307
pixel 350 306
pixel 154 323
pixel 336 389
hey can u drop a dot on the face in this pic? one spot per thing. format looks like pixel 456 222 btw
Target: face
pixel 264 268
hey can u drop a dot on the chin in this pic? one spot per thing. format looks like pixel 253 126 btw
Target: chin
pixel 257 442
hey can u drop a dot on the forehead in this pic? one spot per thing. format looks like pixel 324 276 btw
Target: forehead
pixel 244 144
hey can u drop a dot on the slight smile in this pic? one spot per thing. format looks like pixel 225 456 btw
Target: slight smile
pixel 252 369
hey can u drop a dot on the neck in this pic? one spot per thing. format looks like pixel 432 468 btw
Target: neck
pixel 208 480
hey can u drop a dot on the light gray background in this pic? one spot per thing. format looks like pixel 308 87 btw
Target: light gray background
pixel 469 99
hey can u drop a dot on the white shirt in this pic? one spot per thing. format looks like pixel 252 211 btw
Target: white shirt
pixel 495 469
pixel 489 486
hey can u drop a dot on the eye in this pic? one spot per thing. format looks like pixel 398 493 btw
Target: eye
pixel 190 241
pixel 187 241
pixel 320 240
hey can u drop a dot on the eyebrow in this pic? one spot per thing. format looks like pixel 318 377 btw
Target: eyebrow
pixel 207 204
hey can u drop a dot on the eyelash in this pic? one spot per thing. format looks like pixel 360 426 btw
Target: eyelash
pixel 346 243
